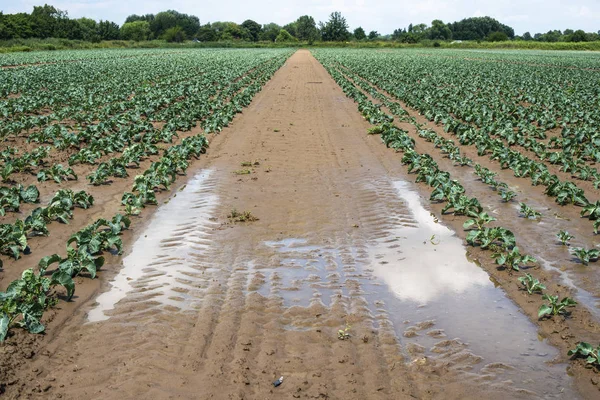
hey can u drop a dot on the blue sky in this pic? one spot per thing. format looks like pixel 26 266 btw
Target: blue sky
pixel 381 15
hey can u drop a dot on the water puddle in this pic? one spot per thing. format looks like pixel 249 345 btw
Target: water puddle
pixel 582 296
pixel 311 273
pixel 163 262
pixel 442 304
pixel 443 307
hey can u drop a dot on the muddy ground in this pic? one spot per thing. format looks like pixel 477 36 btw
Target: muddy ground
pixel 204 307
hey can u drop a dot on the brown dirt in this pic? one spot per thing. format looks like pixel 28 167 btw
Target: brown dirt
pixel 234 320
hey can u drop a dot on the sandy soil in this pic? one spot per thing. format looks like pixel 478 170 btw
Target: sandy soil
pixel 220 309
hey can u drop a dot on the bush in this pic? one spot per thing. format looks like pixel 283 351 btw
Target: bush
pixel 497 37
pixel 285 36
pixel 174 34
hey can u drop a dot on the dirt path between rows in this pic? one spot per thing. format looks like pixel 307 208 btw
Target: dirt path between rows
pixel 211 309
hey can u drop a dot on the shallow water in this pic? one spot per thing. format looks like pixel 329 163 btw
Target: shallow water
pixel 443 306
pixel 161 262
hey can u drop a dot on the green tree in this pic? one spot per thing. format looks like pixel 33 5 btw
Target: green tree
pixel 254 29
pixel 478 28
pixel 44 20
pixel 171 18
pixel 206 33
pixel 108 30
pixel 138 30
pixel 527 36
pixel 133 17
pixel 306 28
pixel 270 32
pixel 292 29
pixel 89 30
pixel 336 29
pixel 285 36
pixel 579 36
pixel 174 34
pixel 373 35
pixel 359 34
pixel 439 31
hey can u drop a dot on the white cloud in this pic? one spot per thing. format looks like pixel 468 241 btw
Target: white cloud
pixel 381 15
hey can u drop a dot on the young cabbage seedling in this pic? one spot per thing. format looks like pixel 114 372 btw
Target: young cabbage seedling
pixel 554 307
pixel 529 212
pixel 479 221
pixel 531 284
pixel 507 195
pixel 584 349
pixel 564 237
pixel 512 259
pixel 584 255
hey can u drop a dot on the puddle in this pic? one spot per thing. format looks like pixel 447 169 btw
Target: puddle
pixel 436 295
pixel 310 273
pixel 162 265
pixel 582 296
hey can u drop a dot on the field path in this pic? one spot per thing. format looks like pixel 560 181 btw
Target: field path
pixel 211 309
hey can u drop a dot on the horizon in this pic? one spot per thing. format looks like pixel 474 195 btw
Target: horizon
pixel 528 17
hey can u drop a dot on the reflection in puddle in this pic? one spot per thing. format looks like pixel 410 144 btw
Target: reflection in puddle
pixel 161 264
pixel 437 294
pixel 432 258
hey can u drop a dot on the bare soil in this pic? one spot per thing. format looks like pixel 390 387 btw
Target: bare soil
pixel 223 310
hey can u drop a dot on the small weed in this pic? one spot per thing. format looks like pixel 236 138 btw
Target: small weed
pixel 246 164
pixel 276 130
pixel 244 216
pixel 343 334
pixel 242 172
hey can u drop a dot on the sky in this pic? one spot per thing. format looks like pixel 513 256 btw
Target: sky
pixel 380 15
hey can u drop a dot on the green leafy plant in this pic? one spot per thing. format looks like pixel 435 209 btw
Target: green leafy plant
pixel 564 237
pixel 488 236
pixel 13 239
pixel 585 255
pixel 25 300
pixel 529 212
pixel 57 173
pixel 531 284
pixel 512 259
pixel 591 354
pixel 344 334
pixel 593 209
pixel 507 195
pixel 76 261
pixel 554 307
pixel 479 222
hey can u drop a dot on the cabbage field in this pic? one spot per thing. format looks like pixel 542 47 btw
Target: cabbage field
pixel 510 124
pixel 504 146
pixel 87 120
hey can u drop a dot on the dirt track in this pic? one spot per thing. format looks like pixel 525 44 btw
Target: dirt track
pixel 224 308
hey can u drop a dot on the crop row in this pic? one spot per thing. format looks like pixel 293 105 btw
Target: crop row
pixel 25 299
pixel 499 240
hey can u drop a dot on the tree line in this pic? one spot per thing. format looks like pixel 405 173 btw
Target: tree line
pixel 49 22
